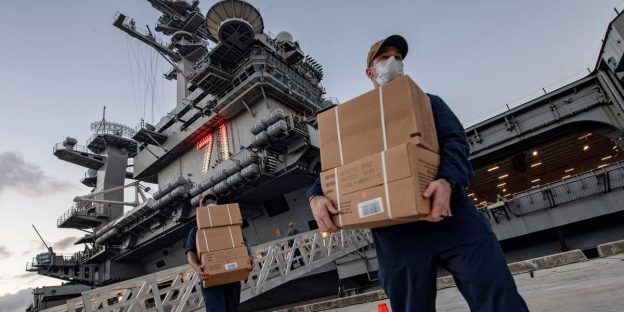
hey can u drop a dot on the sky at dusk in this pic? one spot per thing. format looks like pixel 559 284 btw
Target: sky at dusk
pixel 63 61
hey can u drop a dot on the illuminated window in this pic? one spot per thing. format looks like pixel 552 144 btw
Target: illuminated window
pixel 568 170
pixel 536 164
pixel 503 176
pixel 536 180
pixel 206 144
pixel 501 185
pixel 225 147
pixel 606 157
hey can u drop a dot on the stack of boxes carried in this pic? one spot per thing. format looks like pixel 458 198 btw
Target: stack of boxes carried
pixel 220 244
pixel 379 152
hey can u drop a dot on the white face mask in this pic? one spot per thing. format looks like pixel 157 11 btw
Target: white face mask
pixel 388 70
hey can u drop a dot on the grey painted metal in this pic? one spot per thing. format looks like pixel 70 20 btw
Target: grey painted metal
pixel 591 102
pixel 222 11
pixel 551 195
pixel 274 266
pixel 79 155
pixel 612 50
pixel 275 260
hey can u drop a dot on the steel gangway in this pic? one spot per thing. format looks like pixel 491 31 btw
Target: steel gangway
pixel 178 289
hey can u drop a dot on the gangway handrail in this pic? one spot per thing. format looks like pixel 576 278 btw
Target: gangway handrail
pixel 274 263
pixel 178 289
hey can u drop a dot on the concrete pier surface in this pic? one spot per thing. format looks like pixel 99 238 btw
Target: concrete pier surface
pixel 593 285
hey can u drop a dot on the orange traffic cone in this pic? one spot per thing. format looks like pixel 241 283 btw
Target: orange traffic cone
pixel 382 307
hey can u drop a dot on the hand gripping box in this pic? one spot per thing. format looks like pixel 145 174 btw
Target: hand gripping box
pixel 219 238
pixel 383 189
pixel 397 113
pixel 225 266
pixel 218 215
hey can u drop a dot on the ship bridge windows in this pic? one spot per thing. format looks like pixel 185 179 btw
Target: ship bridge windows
pixel 538 166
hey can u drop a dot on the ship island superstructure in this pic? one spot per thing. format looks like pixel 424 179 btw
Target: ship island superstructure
pixel 242 129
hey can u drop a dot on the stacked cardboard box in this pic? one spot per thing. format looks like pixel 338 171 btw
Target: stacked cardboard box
pixel 220 244
pixel 379 151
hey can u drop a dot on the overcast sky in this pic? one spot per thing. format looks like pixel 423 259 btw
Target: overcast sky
pixel 62 61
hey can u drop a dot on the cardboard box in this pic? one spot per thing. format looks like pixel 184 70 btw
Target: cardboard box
pixel 219 238
pixel 218 215
pixel 399 111
pixel 225 266
pixel 382 189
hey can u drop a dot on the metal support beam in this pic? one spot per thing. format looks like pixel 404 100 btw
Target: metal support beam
pixel 248 109
pixel 266 101
pixel 145 38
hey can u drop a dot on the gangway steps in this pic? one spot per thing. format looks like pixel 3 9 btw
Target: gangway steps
pixel 178 289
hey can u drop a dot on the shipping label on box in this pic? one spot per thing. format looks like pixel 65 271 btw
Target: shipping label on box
pixel 225 266
pixel 397 113
pixel 382 189
pixel 219 238
pixel 218 215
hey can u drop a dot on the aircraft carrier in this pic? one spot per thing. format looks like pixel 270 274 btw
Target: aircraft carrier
pixel 549 173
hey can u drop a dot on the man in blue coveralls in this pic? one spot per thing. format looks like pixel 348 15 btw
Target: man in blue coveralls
pixel 221 298
pixel 454 234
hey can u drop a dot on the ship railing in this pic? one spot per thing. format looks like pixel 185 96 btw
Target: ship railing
pixel 86 255
pixel 149 34
pixel 551 195
pixel 62 260
pixel 53 259
pixel 142 125
pixel 77 148
pixel 178 289
pixel 113 128
pixel 73 210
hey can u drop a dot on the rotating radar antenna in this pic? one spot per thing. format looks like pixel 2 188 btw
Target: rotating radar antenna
pixel 234 23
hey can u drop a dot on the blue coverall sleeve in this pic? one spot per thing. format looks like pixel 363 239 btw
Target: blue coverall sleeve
pixel 315 189
pixel 191 244
pixel 454 148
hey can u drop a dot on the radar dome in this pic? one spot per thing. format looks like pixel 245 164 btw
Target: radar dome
pixel 284 36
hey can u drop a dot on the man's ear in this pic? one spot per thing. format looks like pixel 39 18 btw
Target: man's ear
pixel 370 72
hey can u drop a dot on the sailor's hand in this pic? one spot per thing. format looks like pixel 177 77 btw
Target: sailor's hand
pixel 439 191
pixel 322 207
pixel 252 263
pixel 201 270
